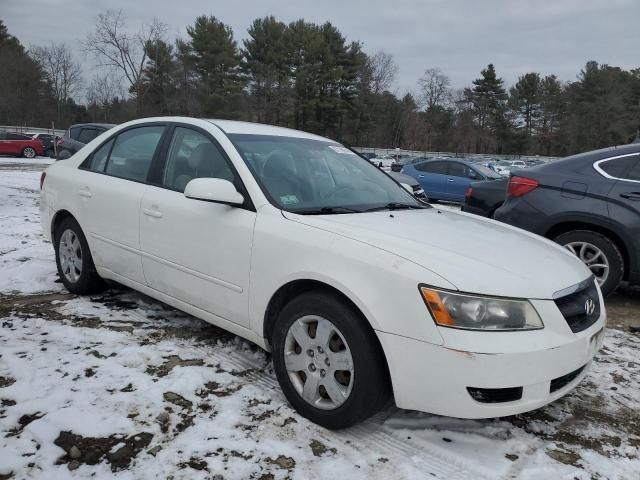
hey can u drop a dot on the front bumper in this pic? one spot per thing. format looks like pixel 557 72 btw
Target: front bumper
pixel 436 379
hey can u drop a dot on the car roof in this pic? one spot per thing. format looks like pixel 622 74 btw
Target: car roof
pixel 107 125
pixel 250 128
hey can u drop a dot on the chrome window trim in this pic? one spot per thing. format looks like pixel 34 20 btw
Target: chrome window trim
pixel 597 168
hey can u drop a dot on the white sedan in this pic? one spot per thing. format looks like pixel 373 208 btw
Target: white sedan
pixel 294 242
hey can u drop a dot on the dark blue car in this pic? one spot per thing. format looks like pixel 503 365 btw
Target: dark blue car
pixel 448 179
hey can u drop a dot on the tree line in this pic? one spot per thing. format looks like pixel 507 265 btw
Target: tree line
pixel 308 76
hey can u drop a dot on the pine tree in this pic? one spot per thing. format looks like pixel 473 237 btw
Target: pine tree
pixel 216 60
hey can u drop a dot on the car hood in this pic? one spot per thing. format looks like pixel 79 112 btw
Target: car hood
pixel 476 255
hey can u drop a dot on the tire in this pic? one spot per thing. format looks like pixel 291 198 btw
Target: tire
pixel 359 394
pixel 492 214
pixel 29 152
pixel 64 154
pixel 599 250
pixel 78 276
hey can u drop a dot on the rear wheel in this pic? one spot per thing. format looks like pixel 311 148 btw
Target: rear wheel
pixel 328 363
pixel 28 152
pixel 73 259
pixel 597 252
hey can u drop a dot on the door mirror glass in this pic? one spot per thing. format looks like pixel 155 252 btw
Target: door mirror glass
pixel 214 190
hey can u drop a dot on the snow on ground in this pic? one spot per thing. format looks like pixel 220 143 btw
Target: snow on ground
pixel 20 161
pixel 120 385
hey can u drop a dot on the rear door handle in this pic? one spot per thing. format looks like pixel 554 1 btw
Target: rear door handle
pixel 635 196
pixel 152 213
pixel 85 192
pixel 451 179
pixel 420 176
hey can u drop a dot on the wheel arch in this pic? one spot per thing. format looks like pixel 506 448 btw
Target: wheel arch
pixel 294 288
pixel 568 226
pixel 57 219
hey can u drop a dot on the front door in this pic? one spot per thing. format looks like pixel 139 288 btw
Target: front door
pixel 196 251
pixel 624 199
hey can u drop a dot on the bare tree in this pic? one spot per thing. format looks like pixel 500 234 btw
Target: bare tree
pixel 63 73
pixel 383 71
pixel 121 50
pixel 435 88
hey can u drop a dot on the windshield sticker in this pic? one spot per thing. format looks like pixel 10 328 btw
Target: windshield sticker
pixel 288 199
pixel 339 149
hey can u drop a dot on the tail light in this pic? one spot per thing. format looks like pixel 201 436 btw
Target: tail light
pixel 468 193
pixel 42 177
pixel 519 186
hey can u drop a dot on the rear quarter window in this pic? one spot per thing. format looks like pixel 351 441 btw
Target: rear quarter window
pixel 618 167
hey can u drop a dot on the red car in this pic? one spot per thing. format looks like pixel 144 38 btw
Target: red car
pixel 17 144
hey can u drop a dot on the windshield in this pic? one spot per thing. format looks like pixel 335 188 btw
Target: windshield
pixel 486 171
pixel 312 176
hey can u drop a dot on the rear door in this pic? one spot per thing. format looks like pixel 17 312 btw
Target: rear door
pixel 110 194
pixel 433 179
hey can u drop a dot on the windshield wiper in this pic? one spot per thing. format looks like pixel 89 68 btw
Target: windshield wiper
pixel 326 211
pixel 396 206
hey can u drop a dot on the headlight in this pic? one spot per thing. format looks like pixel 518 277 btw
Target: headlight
pixel 474 312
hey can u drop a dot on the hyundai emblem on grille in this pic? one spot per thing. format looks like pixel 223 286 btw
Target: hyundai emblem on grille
pixel 589 307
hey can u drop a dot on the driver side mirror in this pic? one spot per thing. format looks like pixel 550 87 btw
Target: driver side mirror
pixel 214 190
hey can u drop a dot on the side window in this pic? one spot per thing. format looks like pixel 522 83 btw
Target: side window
pixel 74 132
pixel 133 151
pixel 192 155
pixel 619 166
pixel 458 170
pixel 634 173
pixel 433 167
pixel 87 134
pixel 99 158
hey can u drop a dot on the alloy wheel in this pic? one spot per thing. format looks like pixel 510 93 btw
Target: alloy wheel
pixel 319 362
pixel 592 257
pixel 70 253
pixel 29 152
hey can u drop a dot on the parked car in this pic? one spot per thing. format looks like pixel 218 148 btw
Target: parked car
pixel 78 136
pixel 590 203
pixel 411 183
pixel 367 155
pixel 47 140
pixel 484 198
pixel 17 144
pixel 399 164
pixel 447 179
pixel 383 163
pixel 299 245
pixel 504 167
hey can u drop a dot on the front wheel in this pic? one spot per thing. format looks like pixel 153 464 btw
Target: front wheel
pixel 328 362
pixel 597 252
pixel 73 259
pixel 29 152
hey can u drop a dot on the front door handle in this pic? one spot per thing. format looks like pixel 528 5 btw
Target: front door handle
pixel 451 179
pixel 420 176
pixel 85 192
pixel 152 213
pixel 635 196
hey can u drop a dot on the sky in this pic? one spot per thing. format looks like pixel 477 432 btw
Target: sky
pixel 459 36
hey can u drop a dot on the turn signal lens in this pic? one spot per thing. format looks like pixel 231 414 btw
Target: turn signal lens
pixel 473 312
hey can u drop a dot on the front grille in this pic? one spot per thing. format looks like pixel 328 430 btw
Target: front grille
pixel 563 381
pixel 575 309
pixel 495 395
